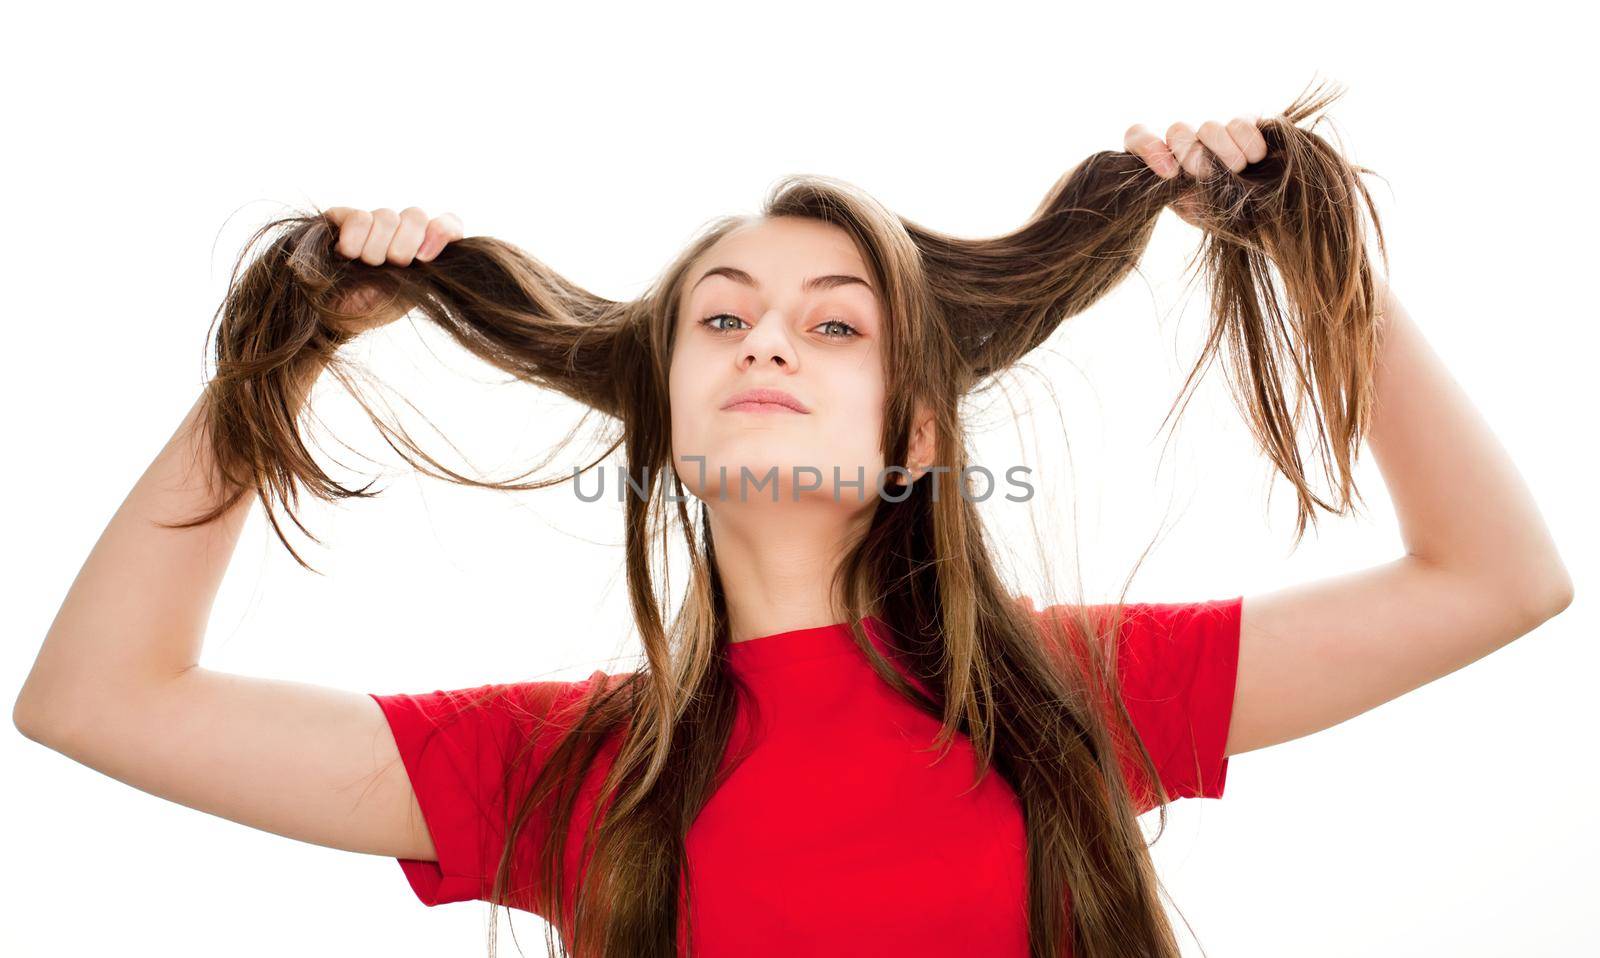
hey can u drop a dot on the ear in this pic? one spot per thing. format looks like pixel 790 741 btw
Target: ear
pixel 920 448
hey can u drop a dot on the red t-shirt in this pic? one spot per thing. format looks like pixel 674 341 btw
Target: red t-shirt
pixel 839 833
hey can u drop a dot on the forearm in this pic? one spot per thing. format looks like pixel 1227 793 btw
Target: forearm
pixel 1461 504
pixel 138 608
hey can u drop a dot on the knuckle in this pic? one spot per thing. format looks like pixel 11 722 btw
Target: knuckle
pixel 385 215
pixel 1250 138
pixel 354 230
pixel 413 214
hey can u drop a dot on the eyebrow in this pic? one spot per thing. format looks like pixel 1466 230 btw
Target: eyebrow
pixel 832 281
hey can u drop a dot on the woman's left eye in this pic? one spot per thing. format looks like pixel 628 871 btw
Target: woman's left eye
pixel 839 322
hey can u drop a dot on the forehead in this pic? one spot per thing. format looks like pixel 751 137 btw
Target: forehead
pixel 784 251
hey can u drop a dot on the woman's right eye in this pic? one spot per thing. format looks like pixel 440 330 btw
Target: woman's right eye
pixel 710 322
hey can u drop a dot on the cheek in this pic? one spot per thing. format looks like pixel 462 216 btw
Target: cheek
pixel 685 374
pixel 691 395
pixel 856 408
pixel 682 402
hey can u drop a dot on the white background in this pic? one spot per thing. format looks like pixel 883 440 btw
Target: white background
pixel 147 140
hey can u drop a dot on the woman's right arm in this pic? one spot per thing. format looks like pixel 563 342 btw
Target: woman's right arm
pixel 118 687
pixel 117 684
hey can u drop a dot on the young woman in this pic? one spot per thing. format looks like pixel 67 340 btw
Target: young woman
pixel 847 736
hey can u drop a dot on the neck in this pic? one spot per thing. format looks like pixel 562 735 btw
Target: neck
pixel 777 562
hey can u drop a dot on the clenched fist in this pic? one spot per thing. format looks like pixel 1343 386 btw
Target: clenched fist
pixel 1238 144
pixel 383 236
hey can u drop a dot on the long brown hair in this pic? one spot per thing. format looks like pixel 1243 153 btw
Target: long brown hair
pixel 1038 703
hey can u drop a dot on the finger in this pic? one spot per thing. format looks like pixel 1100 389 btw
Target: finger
pixel 1146 145
pixel 376 248
pixel 445 228
pixel 407 236
pixel 353 229
pixel 1247 134
pixel 1215 136
pixel 1185 146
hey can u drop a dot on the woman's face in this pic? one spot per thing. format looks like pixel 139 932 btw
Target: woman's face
pixel 780 304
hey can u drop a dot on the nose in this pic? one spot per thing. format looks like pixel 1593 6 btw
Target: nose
pixel 769 340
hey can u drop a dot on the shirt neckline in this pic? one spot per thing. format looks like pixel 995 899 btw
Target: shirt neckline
pixel 802 645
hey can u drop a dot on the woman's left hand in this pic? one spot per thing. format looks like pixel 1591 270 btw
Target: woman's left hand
pixel 1237 144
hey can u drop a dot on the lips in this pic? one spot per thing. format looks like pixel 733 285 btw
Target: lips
pixel 764 400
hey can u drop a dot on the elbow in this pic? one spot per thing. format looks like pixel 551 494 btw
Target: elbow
pixel 1561 593
pixel 1552 598
pixel 30 718
pixel 23 719
pixel 1530 591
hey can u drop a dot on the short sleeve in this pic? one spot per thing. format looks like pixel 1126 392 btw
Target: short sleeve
pixel 1177 667
pixel 457 746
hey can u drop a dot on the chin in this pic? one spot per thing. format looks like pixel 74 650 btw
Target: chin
pixel 768 461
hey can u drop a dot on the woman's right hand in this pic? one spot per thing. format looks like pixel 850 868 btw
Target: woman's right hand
pixel 383 236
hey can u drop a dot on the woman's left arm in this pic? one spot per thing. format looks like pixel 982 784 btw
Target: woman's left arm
pixel 1479 570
